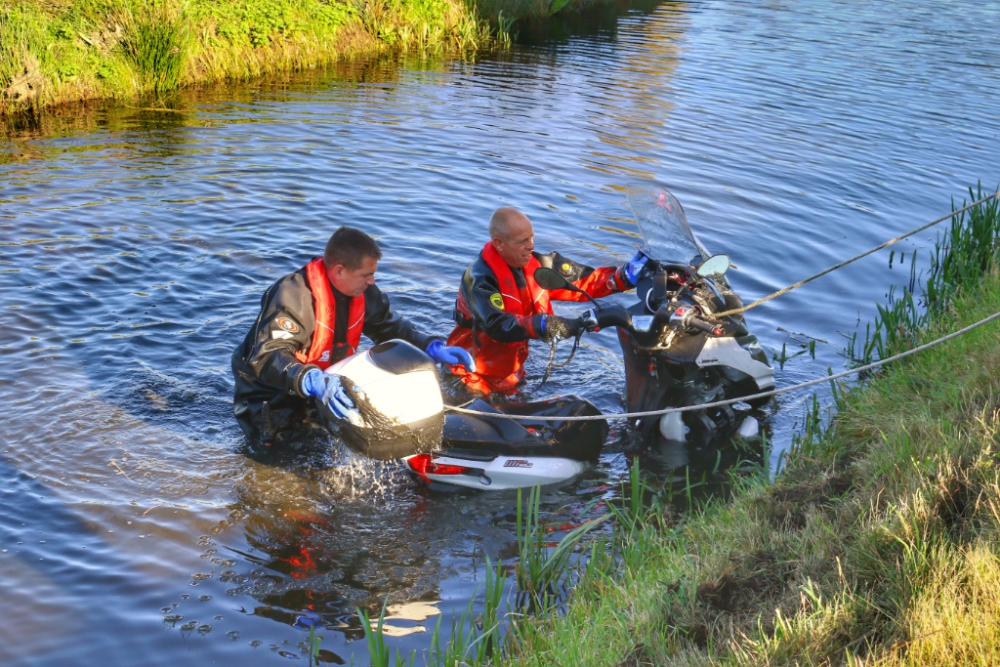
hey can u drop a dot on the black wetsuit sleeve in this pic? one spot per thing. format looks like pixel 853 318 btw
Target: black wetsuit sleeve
pixel 382 323
pixel 285 326
pixel 479 288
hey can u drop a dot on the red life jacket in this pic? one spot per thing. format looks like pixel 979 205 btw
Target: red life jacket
pixel 500 366
pixel 325 308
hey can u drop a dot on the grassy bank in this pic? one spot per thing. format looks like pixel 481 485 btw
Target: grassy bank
pixel 878 545
pixel 58 51
pixel 55 51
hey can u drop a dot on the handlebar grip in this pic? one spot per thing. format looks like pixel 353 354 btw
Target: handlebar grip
pixel 707 327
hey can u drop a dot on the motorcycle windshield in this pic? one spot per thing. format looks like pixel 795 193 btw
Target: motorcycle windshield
pixel 663 225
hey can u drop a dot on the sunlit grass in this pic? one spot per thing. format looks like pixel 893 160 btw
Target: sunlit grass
pixel 82 49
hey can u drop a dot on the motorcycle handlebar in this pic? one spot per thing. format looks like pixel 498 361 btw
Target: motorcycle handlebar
pixel 707 327
pixel 613 316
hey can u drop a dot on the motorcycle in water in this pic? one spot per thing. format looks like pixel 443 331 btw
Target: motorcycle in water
pixel 395 387
pixel 676 351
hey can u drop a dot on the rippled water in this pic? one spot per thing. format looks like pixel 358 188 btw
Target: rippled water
pixel 135 244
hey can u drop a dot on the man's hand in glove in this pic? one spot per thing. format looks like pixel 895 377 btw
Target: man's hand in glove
pixel 329 390
pixel 636 268
pixel 554 327
pixel 452 356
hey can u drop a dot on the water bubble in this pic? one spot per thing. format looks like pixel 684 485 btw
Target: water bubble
pixel 204 598
pixel 219 617
pixel 204 629
pixel 234 635
pixel 185 596
pixel 190 625
pixel 165 610
pixel 255 643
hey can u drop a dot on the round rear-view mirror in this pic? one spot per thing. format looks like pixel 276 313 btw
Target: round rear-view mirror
pixel 714 266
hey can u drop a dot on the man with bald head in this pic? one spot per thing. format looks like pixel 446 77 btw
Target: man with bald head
pixel 500 307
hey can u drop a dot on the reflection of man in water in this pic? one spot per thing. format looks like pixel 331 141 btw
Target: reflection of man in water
pixel 500 307
pixel 309 320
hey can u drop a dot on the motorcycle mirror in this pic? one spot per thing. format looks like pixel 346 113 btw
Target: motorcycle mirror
pixel 713 267
pixel 549 279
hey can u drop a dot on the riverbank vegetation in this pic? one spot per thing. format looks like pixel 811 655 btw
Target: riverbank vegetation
pixel 54 51
pixel 58 51
pixel 878 543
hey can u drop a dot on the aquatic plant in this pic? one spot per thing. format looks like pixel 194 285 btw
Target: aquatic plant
pixel 474 640
pixel 962 256
pixel 309 621
pixel 542 566
pixel 378 652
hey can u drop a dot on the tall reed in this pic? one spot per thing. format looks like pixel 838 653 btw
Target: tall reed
pixel 961 256
pixel 155 41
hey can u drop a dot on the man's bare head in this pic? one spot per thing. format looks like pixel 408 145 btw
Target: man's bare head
pixel 512 235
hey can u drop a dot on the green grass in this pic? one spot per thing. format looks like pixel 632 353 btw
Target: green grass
pixel 878 545
pixel 84 49
pixel 124 49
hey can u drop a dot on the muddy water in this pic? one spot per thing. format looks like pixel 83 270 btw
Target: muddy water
pixel 135 243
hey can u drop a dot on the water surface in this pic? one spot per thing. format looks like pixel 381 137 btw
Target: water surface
pixel 135 245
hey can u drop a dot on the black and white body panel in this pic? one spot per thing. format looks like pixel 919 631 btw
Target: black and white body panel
pixel 484 452
pixel 728 353
pixel 498 474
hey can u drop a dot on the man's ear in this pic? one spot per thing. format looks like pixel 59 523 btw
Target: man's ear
pixel 497 243
pixel 335 273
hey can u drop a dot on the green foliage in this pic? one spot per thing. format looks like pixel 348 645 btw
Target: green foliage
pixel 120 48
pixel 556 5
pixel 155 41
pixel 378 652
pixel 542 567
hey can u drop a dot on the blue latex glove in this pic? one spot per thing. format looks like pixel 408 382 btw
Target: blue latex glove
pixel 329 390
pixel 636 268
pixel 452 356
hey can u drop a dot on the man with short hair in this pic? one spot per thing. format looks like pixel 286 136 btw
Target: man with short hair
pixel 309 320
pixel 500 307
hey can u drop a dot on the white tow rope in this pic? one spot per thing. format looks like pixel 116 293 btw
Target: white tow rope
pixel 737 311
pixel 730 401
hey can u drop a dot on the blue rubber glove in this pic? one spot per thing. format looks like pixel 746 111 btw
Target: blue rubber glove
pixel 329 390
pixel 636 268
pixel 452 356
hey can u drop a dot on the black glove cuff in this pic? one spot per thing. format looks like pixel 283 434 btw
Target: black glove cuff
pixel 305 368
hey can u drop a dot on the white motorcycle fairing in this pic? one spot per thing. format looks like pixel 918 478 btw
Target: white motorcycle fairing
pixel 502 473
pixel 395 388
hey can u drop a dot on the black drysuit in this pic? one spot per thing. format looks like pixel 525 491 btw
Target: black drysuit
pixel 268 401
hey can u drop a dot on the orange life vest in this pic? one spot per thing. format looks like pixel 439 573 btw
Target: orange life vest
pixel 325 308
pixel 500 366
